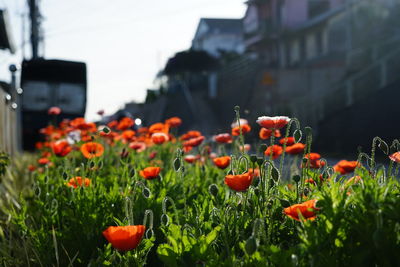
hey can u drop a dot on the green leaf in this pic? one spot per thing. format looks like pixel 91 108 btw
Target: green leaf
pixel 167 255
pixel 212 235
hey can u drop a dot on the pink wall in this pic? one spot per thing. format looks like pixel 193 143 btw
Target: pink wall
pixel 294 12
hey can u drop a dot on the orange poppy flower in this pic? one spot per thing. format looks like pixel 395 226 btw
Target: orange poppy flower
pixel 78 181
pixel 190 135
pixel 276 151
pixel 242 122
pixel 150 172
pixel 193 142
pixel 125 123
pixel 277 122
pixel 314 161
pixel 124 238
pixel 345 166
pixel 245 129
pixel 78 123
pixel 159 138
pixel 222 162
pixel 159 128
pixel 306 209
pixel 289 141
pixel 174 122
pixel 254 173
pixel 246 147
pixel 239 182
pixel 190 158
pixel 267 133
pixel 92 150
pixel 54 111
pixel 223 138
pixel 61 148
pixel 295 149
pixel 128 135
pixel 395 157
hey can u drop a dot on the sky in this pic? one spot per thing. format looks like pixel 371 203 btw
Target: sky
pixel 123 42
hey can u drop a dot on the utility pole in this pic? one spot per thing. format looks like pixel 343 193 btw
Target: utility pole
pixel 35 27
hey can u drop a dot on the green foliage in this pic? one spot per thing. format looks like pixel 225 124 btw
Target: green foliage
pixel 197 220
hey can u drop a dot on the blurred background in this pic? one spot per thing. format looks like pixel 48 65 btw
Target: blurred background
pixel 333 64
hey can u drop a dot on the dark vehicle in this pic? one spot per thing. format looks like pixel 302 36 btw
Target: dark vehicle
pixel 48 83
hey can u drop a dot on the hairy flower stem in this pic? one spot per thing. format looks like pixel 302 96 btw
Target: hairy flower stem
pixel 373 149
pixel 241 138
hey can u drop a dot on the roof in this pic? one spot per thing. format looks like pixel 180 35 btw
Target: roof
pixel 220 26
pixel 6 41
pixel 224 25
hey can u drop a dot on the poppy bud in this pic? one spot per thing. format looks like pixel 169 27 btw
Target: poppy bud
pixel 296 178
pixel 251 245
pixel 308 130
pixel 237 108
pixel 213 190
pixel 257 191
pixel 263 147
pixel 284 203
pixel 253 158
pixel 260 161
pixel 132 172
pixel 177 164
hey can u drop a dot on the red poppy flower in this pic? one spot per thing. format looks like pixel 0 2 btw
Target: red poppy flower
pixel 124 238
pixel 245 129
pixel 54 111
pixel 295 149
pixel 174 122
pixel 112 124
pixel 223 138
pixel 153 155
pixel 190 158
pixel 61 148
pixel 78 181
pixel 193 142
pixel 306 209
pixel 150 172
pixel 43 161
pixel 31 168
pixel 395 157
pixel 92 150
pixel 345 166
pixel 190 135
pixel 138 146
pixel 239 182
pixel 159 138
pixel 277 122
pixel 289 141
pixel 276 151
pixel 222 162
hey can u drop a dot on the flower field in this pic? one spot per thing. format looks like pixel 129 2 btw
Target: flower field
pixel 116 195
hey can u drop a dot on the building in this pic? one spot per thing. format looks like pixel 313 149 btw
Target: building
pixel 215 36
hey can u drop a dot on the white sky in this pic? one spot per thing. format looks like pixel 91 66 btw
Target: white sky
pixel 123 42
